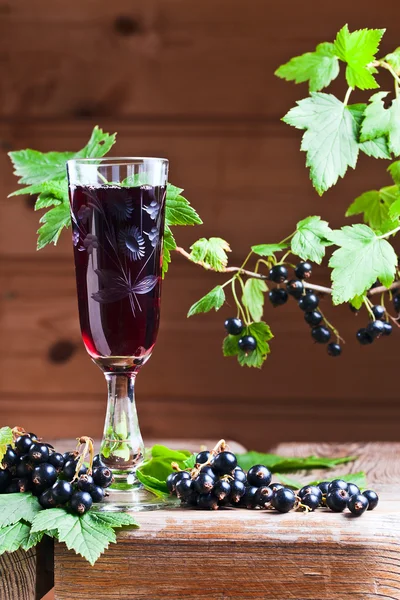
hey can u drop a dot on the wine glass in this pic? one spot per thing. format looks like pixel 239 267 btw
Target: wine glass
pixel 117 212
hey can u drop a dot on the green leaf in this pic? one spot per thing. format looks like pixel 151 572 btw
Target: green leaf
pixel 359 478
pixel 280 464
pixel 380 121
pixel 154 472
pixel 262 334
pixel 230 345
pixel 160 451
pixel 32 166
pixel 211 252
pixel 115 519
pixel 310 239
pixel 361 259
pixel 54 221
pixel 99 144
pixel 394 170
pixel 13 537
pixel 6 437
pixel 377 148
pixel 319 68
pixel 168 245
pixel 330 140
pixel 394 60
pixel 288 481
pixel 214 299
pixel 375 207
pixel 358 50
pixel 18 507
pixel 253 297
pixel 32 540
pixel 178 210
pixel 357 301
pixel 268 249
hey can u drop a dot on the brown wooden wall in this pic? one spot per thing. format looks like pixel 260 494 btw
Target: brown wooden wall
pixel 192 81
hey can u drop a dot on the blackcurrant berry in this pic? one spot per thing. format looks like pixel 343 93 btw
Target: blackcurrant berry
pixel 324 487
pixel 222 489
pixel 234 326
pixel 303 270
pixel 278 274
pixel 80 502
pixel 363 337
pixel 5 480
pixel 208 471
pixel 10 459
pixel 334 349
pixel 70 456
pixel 295 288
pixel 184 488
pixel 239 475
pixel 375 329
pixel 276 486
pixel 224 463
pixel 277 296
pixel 353 489
pixel 97 493
pixel 57 460
pixel 310 489
pixel 357 504
pixel 237 490
pixel 311 501
pixel 203 483
pixel 171 482
pixel 62 491
pixel 33 437
pixel 247 343
pixel 69 469
pixel 103 477
pixel 44 475
pixel 259 476
pixel 207 501
pixel 249 497
pixel 338 484
pixel 85 482
pixel 175 478
pixel 47 500
pixel 39 453
pixel 372 498
pixel 337 499
pixel 313 317
pixel 321 334
pixel 396 303
pixel 25 466
pixel 378 312
pixel 202 457
pixel 97 462
pixel 23 443
pixel 13 487
pixel 283 500
pixel 387 328
pixel 308 302
pixel 263 496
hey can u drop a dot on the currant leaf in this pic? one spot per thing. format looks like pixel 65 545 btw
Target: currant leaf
pixel 214 299
pixel 311 238
pixel 319 68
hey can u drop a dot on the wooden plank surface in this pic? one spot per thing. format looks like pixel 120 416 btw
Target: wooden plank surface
pixel 243 555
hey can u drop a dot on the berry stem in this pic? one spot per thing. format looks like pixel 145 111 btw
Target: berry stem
pixel 331 327
pixel 239 306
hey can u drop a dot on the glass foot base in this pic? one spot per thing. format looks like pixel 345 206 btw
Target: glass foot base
pixel 135 499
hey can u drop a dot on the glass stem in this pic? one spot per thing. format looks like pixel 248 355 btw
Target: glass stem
pixel 122 448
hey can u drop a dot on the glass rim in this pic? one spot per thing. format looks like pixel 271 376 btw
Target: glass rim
pixel 117 160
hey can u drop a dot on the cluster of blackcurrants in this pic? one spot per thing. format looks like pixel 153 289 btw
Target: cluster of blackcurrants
pixel 34 466
pixel 217 481
pixel 375 329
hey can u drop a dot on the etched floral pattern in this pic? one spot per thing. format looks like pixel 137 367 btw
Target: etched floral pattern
pixel 131 243
pixel 153 236
pixel 90 243
pixel 152 209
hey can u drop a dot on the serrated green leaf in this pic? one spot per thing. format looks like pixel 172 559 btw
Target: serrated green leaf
pixel 173 191
pixel 54 221
pixel 359 478
pixel 115 519
pixel 214 299
pixel 375 206
pixel 394 170
pixel 288 481
pixel 168 245
pixel 377 148
pixel 12 537
pixel 32 540
pixel 6 437
pixel 34 167
pixel 360 260
pixel 253 297
pixel 154 472
pixel 18 507
pixel 262 334
pixel 99 144
pixel 319 68
pixel 212 252
pixel 310 240
pixel 394 60
pixel 268 249
pixel 330 139
pixel 380 121
pixel 179 212
pixel 230 345
pixel 358 50
pixel 357 302
pixel 286 464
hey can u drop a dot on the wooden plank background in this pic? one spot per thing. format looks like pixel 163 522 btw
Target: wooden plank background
pixel 192 81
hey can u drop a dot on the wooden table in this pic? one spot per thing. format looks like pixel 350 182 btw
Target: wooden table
pixel 241 555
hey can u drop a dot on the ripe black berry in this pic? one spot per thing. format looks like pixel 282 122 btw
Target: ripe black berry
pixel 70 456
pixel 324 487
pixel 203 483
pixel 80 502
pixel 234 326
pixel 278 273
pixel 337 499
pixel 357 504
pixel 177 477
pixel 247 343
pixel 47 499
pixel 259 476
pixel 70 468
pixel 23 443
pixel 85 482
pixel 276 486
pixel 334 349
pixel 184 488
pixel 44 475
pixel 24 484
pixel 62 491
pixel 338 484
pixel 303 270
pixel 353 489
pixel 311 501
pixel 277 296
pixel 283 500
pixel 249 497
pixel 321 334
pixel 239 475
pixel 103 477
pixel 207 501
pixel 313 317
pixel 295 288
pixel 224 463
pixel 57 460
pixel 13 487
pixel 378 312
pixel 202 457
pixel 208 471
pixel 308 302
pixel 263 496
pixel 375 329
pixel 97 462
pixel 25 466
pixel 396 303
pixel 11 458
pixel 39 453
pixel 310 489
pixel 387 328
pixel 5 480
pixel 97 493
pixel 222 489
pixel 372 498
pixel 237 490
pixel 363 337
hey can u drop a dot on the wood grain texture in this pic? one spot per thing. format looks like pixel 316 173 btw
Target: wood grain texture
pixel 243 555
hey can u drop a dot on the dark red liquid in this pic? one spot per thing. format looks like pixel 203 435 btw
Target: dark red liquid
pixel 117 235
